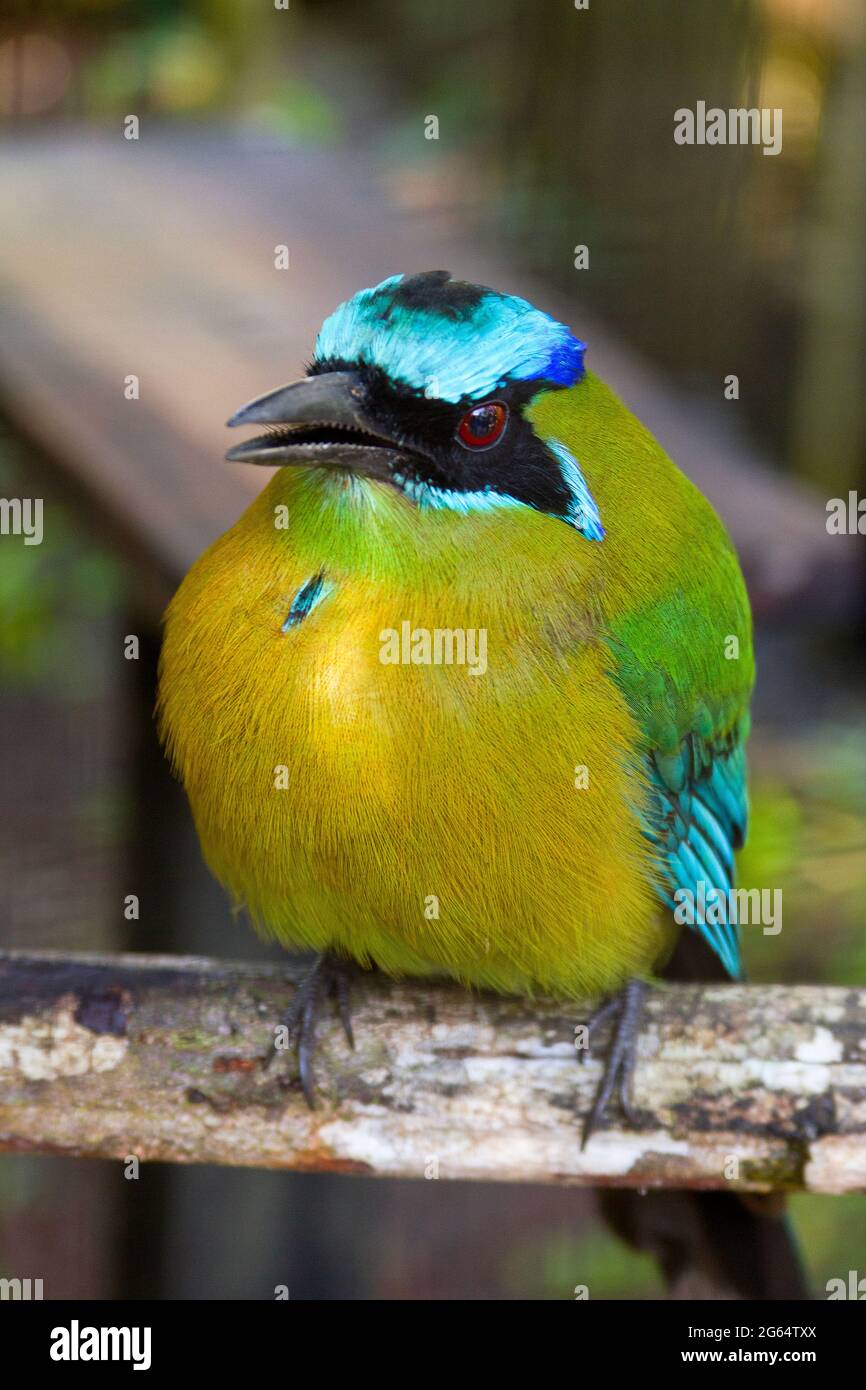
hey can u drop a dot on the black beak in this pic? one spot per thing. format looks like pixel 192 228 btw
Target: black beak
pixel 317 420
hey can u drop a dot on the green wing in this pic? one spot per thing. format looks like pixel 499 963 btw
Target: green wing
pixel 688 678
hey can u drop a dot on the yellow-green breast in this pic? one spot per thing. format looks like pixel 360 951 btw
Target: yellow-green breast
pixel 418 816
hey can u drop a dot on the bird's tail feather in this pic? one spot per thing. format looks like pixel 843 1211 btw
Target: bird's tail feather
pixel 710 1245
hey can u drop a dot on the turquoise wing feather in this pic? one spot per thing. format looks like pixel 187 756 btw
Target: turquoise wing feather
pixel 692 706
pixel 699 819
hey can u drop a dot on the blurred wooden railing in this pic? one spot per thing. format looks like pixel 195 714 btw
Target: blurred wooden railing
pixel 155 260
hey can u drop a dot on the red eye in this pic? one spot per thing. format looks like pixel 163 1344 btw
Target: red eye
pixel 483 425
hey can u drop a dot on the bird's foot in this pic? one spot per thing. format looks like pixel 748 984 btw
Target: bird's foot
pixel 626 1008
pixel 330 978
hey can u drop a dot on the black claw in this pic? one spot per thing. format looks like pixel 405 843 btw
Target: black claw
pixel 329 978
pixel 620 1064
pixel 604 1011
pixel 306 1041
pixel 344 1006
pixel 630 1115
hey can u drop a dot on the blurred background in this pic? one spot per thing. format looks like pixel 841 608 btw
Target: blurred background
pixel 144 295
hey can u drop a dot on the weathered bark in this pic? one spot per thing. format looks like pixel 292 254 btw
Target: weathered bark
pixel 746 1087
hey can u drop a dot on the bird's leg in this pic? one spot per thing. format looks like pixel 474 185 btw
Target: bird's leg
pixel 330 977
pixel 627 1008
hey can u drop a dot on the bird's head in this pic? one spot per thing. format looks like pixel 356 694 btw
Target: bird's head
pixel 422 383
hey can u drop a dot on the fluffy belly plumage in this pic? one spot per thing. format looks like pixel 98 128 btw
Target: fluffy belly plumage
pixel 424 816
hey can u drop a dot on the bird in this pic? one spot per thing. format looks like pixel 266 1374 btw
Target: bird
pixel 465 691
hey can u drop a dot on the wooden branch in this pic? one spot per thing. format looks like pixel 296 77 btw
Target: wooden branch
pixel 751 1087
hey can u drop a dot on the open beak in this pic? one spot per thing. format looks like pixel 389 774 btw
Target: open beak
pixel 317 420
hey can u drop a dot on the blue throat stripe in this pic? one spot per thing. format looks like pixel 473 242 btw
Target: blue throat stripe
pixel 583 514
pixel 311 593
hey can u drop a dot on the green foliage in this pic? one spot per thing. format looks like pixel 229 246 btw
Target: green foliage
pixel 554 1265
pixel 210 58
pixel 808 838
pixel 297 110
pixel 830 1232
pixel 50 594
pixel 173 68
